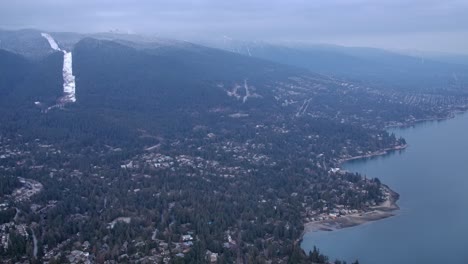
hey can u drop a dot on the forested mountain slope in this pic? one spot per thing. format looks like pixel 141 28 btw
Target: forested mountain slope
pixel 376 67
pixel 175 152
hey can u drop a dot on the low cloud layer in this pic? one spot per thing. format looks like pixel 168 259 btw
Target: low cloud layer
pixel 395 24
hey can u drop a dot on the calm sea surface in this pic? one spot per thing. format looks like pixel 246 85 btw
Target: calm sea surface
pixel 431 176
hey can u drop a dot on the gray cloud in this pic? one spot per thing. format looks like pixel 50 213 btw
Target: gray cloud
pixel 402 24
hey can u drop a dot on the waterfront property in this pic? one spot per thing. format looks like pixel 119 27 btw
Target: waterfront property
pixel 431 178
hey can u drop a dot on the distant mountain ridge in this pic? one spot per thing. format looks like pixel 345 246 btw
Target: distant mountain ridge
pixel 376 67
pixel 447 57
pixel 369 66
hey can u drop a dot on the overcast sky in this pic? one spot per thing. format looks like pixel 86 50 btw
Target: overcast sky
pixel 440 25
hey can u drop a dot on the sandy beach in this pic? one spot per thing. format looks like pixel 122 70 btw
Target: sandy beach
pixel 384 210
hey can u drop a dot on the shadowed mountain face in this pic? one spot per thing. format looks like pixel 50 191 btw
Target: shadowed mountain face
pixel 23 82
pixel 13 68
pixel 127 85
pixel 162 74
pixel 173 86
pixel 28 43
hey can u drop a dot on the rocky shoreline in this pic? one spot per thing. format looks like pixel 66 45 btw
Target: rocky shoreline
pixel 385 210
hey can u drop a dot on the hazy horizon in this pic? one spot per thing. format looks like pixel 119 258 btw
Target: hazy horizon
pixel 393 25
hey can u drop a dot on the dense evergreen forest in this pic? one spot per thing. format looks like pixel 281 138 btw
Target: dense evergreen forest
pixel 180 153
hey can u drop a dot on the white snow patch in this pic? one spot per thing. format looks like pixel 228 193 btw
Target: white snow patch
pixel 303 108
pixel 69 85
pixel 234 91
pixel 238 115
pixel 51 41
pixel 248 93
pixel 153 147
pixel 68 78
pixel 125 220
pixel 237 92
